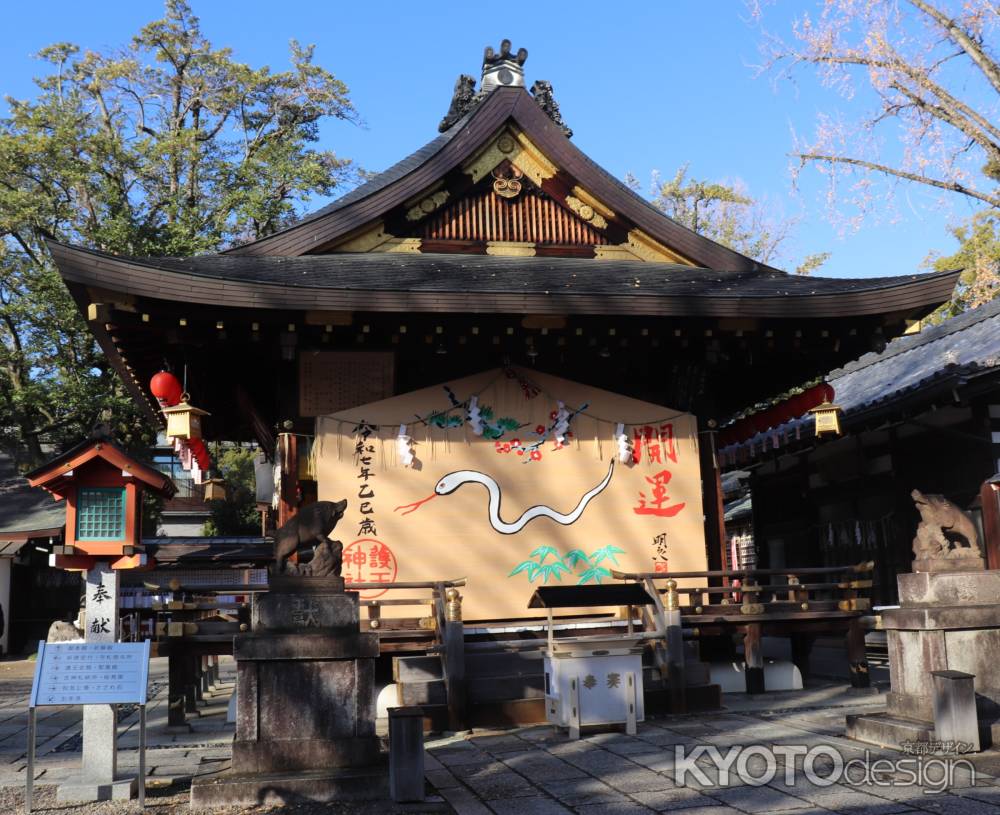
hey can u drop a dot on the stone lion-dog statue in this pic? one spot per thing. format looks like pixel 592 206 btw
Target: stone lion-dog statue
pixel 944 531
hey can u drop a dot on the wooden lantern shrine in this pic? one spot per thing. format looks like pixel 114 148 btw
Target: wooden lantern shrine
pixel 184 420
pixel 215 490
pixel 103 487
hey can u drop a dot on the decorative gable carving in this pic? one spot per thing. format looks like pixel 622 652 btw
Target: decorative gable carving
pixel 508 198
pixel 527 216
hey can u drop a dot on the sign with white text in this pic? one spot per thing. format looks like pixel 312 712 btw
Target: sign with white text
pixel 90 673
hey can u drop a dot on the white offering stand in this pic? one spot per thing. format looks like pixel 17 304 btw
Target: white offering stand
pixel 593 680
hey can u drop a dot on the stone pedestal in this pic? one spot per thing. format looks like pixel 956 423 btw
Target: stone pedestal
pixel 305 716
pixel 947 621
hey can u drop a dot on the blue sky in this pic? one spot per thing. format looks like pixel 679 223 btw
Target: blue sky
pixel 643 85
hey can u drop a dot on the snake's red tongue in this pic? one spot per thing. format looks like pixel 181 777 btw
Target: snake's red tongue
pixel 415 505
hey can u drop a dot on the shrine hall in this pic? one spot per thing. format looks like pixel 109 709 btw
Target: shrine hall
pixel 498 246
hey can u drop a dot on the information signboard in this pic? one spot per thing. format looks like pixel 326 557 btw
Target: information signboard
pixel 89 673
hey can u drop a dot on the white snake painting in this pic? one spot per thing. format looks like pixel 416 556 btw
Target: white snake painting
pixel 451 482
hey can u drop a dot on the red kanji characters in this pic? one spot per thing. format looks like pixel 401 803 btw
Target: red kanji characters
pixel 658 504
pixel 659 444
pixel 368 560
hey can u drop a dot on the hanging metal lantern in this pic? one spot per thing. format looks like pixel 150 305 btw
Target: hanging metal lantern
pixel 184 420
pixel 827 417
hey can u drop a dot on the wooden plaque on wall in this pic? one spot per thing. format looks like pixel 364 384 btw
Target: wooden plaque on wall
pixel 330 381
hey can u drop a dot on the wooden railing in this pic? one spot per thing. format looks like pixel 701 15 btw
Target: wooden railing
pixel 796 602
pixel 184 632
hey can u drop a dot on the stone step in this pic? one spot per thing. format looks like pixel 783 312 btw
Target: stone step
pixel 478 690
pixel 695 673
pixel 887 731
pixel 416 669
pixel 508 664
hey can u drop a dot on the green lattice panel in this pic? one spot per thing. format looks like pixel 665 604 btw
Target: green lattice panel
pixel 100 514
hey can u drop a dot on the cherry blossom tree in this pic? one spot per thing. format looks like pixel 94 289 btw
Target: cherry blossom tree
pixel 933 68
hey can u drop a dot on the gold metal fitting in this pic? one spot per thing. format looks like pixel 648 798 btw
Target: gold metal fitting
pixel 699 609
pixel 673 598
pixel 374 623
pixel 453 609
pixel 804 606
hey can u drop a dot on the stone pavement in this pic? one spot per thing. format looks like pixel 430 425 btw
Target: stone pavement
pixel 538 771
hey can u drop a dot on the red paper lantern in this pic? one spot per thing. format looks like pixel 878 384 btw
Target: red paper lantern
pixel 166 388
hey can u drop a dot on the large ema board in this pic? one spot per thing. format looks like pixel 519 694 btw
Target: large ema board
pixel 513 479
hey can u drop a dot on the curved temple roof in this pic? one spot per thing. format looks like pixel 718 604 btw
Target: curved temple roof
pixel 485 283
pixel 430 163
pixel 392 245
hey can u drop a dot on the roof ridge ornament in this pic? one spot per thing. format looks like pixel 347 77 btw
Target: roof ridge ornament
pixel 500 70
pixel 542 93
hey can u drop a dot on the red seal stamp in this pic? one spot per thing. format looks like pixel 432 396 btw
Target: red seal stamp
pixel 369 561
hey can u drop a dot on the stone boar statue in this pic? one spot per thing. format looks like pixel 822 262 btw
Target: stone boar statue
pixel 944 531
pixel 311 527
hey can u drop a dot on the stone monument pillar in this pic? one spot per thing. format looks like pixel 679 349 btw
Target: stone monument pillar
pixel 305 715
pixel 98 779
pixel 948 620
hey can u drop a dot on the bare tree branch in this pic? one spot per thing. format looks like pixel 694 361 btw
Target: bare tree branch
pixel 967 42
pixel 951 186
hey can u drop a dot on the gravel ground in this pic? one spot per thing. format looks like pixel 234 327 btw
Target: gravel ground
pixel 175 799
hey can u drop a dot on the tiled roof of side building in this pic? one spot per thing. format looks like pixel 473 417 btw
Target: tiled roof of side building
pixel 968 344
pixel 24 508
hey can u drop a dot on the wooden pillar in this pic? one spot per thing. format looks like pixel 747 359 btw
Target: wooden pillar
pixel 711 492
pixel 175 688
pixel 801 649
pixel 753 656
pixel 675 662
pixel 989 495
pixel 454 660
pixel 856 657
pixel 191 696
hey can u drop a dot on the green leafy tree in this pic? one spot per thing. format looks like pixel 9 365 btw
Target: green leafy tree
pixel 237 515
pixel 167 146
pixel 978 257
pixel 727 214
